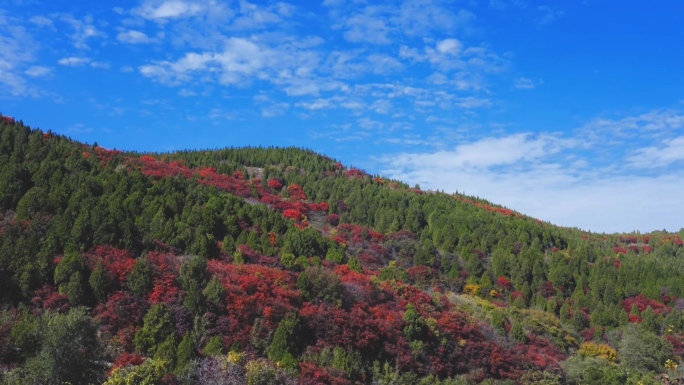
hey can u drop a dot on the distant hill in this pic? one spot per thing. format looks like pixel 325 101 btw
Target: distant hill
pixel 283 266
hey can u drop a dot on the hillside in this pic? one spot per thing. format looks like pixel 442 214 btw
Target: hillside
pixel 282 266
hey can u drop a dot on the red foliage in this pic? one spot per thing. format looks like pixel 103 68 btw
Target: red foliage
pixel 275 184
pixel 118 263
pixel 301 225
pixel 122 310
pixel 105 155
pixel 677 343
pixel 7 119
pixel 588 334
pixel 629 239
pixel 254 291
pixel 617 262
pixel 646 238
pixel 547 290
pixel 48 298
pixel 421 275
pixel 504 283
pixel 238 174
pixel 643 303
pixel 333 219
pixel 402 235
pixel 312 374
pixel 678 241
pixel 323 206
pixel 375 236
pixel 86 154
pixel 634 318
pixel 164 290
pixel 296 192
pixel 647 249
pixel 354 173
pixel 292 214
pixel 517 294
pixel 127 359
pixel 493 209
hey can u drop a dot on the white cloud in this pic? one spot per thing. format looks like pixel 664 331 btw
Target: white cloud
pixel 381 106
pixel 559 178
pixel 186 93
pixel 251 16
pixel 273 110
pixel 317 104
pixel 16 58
pixel 471 102
pixel 74 61
pixel 664 154
pixel 653 125
pixel 83 31
pixel 603 203
pixel 168 9
pixel 241 60
pixel 449 46
pixel 133 37
pixel 38 71
pixel 383 64
pixel 484 153
pixel 525 83
pixel 367 28
pixel 41 21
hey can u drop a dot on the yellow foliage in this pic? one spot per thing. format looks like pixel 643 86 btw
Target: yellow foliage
pixel 472 289
pixel 670 365
pixel 432 325
pixel 493 293
pixel 591 349
pixel 235 357
pixel 149 373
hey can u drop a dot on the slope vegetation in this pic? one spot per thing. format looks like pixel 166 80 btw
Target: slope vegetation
pixel 282 266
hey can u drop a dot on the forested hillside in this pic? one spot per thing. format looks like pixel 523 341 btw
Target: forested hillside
pixel 282 266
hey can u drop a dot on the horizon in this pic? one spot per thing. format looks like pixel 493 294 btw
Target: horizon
pixel 570 113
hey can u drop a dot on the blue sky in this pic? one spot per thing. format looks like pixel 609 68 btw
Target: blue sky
pixel 569 111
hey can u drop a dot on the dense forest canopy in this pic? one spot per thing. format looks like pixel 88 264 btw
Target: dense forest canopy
pixel 282 266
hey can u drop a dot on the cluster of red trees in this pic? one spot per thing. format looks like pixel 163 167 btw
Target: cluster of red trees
pixel 499 210
pixel 294 207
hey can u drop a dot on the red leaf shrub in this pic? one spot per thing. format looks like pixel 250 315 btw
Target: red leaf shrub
pixel 292 214
pixel 275 184
pixel 48 298
pixel 333 219
pixel 643 303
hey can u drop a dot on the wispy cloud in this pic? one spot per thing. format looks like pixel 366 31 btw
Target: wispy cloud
pixel 132 36
pixel 17 55
pixel 526 84
pixel 555 177
pixel 76 61
pixel 168 9
pixel 83 30
pixel 663 154
pixel 38 71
